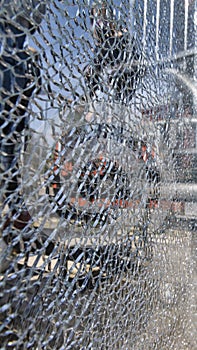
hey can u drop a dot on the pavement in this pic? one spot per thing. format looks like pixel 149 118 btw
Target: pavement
pixel 144 299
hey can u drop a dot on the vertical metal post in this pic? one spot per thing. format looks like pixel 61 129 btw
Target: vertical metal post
pixel 144 27
pixel 157 30
pixel 171 25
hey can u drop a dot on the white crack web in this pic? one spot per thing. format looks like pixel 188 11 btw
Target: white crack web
pixel 98 175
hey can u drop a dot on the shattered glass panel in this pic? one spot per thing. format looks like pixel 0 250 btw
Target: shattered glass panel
pixel 98 171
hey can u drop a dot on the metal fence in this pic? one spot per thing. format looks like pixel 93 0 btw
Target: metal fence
pixel 98 174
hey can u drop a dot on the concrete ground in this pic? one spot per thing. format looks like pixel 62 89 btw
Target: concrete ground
pixel 58 302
